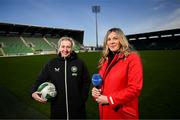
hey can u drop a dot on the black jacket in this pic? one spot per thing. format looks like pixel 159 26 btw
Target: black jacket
pixel 78 83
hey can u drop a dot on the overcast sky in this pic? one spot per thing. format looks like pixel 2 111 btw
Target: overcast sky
pixel 132 16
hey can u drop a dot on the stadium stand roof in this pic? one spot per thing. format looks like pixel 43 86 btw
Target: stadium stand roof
pixel 157 40
pixel 17 29
pixel 172 32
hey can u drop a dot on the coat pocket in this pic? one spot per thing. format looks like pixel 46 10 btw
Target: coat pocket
pixel 130 111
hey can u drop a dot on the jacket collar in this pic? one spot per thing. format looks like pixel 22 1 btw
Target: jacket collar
pixel 116 56
pixel 115 59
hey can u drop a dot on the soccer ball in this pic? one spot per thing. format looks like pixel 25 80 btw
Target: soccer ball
pixel 47 90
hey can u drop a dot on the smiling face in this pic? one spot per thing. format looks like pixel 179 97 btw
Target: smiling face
pixel 113 42
pixel 65 48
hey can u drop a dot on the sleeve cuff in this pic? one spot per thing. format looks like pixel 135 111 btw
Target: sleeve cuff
pixel 110 100
pixel 113 105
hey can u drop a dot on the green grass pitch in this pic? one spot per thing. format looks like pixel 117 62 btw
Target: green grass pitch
pixel 159 98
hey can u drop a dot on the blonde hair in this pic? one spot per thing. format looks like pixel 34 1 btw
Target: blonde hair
pixel 71 40
pixel 124 48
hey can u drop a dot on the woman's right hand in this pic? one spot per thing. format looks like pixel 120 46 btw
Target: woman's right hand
pixel 96 92
pixel 37 96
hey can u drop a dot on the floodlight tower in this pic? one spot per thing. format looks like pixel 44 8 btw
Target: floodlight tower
pixel 96 9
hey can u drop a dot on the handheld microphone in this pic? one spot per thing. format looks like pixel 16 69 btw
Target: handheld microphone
pixel 96 80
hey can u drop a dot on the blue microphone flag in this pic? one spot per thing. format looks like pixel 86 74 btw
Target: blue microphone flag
pixel 96 80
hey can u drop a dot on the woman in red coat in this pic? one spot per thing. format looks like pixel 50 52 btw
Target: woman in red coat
pixel 122 75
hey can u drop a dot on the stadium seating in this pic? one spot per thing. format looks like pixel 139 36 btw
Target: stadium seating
pixel 13 45
pixel 38 43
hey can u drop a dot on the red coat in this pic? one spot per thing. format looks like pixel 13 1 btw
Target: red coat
pixel 122 83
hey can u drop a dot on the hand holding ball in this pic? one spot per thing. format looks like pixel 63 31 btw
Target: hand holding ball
pixel 47 90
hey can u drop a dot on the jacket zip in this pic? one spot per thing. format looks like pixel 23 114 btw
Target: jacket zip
pixel 66 90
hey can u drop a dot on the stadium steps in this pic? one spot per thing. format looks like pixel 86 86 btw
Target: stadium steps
pixel 47 42
pixel 27 43
pixel 39 43
pixel 2 52
pixel 55 45
pixel 12 107
pixel 78 46
pixel 53 41
pixel 24 41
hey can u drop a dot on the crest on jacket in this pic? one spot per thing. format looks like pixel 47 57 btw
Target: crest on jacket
pixel 74 70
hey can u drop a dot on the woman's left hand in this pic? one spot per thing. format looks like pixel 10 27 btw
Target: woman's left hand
pixel 102 99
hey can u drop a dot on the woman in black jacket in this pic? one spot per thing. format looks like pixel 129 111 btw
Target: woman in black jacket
pixel 70 76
